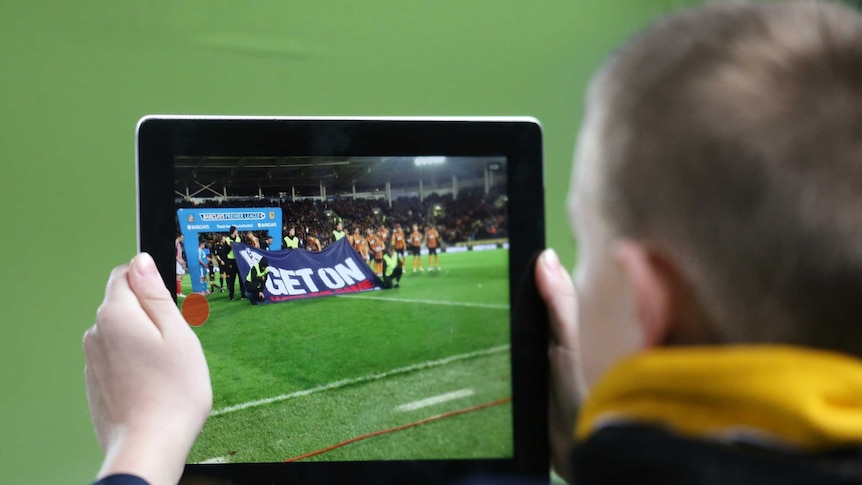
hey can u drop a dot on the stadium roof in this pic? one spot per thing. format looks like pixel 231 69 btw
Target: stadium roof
pixel 273 175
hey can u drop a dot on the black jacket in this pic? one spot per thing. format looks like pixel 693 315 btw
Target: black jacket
pixel 640 454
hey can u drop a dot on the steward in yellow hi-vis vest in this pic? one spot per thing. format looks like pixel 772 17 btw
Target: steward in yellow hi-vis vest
pixel 338 233
pixel 391 269
pixel 255 281
pixel 232 268
pixel 291 241
pixel 233 238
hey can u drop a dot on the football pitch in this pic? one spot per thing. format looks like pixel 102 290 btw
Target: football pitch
pixel 418 372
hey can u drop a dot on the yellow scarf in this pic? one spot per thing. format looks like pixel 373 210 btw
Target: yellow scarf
pixel 773 394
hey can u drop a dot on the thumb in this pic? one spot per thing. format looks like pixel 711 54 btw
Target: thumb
pixel 153 296
pixel 557 290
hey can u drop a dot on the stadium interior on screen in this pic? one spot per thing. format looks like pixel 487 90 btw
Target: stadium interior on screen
pixel 332 356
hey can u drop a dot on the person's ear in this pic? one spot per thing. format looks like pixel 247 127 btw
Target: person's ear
pixel 654 281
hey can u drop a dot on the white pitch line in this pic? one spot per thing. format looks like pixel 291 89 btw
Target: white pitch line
pixel 215 461
pixel 430 401
pixel 495 306
pixel 357 380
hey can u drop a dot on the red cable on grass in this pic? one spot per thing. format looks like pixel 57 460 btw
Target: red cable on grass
pixel 399 428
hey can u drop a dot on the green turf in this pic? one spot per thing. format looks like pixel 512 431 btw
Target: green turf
pixel 260 352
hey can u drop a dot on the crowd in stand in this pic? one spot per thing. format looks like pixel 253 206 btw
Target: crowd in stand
pixel 471 216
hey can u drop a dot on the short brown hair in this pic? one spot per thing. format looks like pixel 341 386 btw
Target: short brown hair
pixel 731 135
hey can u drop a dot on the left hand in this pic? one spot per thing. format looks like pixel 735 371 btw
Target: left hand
pixel 148 386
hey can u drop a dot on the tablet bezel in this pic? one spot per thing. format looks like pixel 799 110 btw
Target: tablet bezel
pixel 161 138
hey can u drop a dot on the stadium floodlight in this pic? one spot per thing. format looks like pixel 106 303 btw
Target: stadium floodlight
pixel 425 161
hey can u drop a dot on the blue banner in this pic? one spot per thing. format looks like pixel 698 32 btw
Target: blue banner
pixel 297 273
pixel 193 222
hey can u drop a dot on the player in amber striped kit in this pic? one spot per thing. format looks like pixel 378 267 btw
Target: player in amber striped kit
pixel 370 243
pixel 312 243
pixel 383 233
pixel 416 247
pixel 399 242
pixel 432 240
pixel 378 246
pixel 357 242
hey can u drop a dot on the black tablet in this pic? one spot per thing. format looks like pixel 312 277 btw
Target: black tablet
pixel 351 280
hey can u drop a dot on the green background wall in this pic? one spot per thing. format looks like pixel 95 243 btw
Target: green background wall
pixel 76 76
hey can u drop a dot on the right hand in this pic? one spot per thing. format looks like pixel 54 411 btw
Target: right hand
pixel 148 386
pixel 566 383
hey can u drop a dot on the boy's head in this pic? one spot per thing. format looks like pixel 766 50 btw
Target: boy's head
pixel 718 189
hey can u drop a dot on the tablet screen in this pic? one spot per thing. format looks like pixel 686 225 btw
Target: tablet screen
pixel 389 354
pixel 378 328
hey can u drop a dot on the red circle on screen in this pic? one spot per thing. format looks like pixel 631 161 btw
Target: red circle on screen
pixel 196 310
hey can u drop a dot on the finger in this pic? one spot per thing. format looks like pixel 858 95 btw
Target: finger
pixel 117 289
pixel 96 405
pixel 118 310
pixel 557 290
pixel 94 397
pixel 89 341
pixel 152 295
